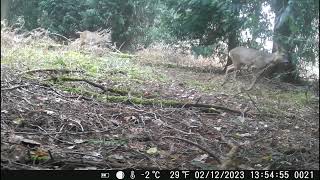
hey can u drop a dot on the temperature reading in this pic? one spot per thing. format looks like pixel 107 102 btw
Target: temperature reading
pixel 155 174
pixel 146 175
pixel 174 174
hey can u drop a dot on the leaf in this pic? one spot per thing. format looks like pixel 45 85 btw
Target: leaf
pixel 127 118
pixel 201 158
pixel 71 147
pixel 116 156
pixel 78 141
pixel 243 135
pixel 241 119
pixel 153 150
pixel 39 155
pixel 50 112
pixel 267 158
pixel 18 121
pixel 217 128
pixel 224 28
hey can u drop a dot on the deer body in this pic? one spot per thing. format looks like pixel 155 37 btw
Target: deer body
pixel 88 37
pixel 253 58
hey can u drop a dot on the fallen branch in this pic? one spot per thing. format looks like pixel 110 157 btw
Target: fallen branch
pixel 14 87
pixel 60 36
pixel 205 149
pixel 227 163
pixel 210 106
pixel 92 84
pixel 65 71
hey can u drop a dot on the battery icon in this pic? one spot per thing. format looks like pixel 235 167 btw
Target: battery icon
pixel 104 175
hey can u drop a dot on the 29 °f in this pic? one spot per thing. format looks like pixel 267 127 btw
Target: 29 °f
pixel 178 174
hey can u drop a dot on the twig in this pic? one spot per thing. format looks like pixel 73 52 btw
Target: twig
pixel 14 87
pixel 91 83
pixel 54 90
pixel 211 153
pixel 257 77
pixel 187 105
pixel 54 133
pixel 78 163
pixel 60 36
pixel 80 153
pixel 253 102
pixel 155 162
pixel 67 142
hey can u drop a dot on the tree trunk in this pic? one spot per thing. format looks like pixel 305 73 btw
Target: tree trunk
pixel 232 43
pixel 232 38
pixel 4 9
pixel 283 11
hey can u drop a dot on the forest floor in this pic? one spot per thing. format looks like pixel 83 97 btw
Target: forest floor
pixel 95 116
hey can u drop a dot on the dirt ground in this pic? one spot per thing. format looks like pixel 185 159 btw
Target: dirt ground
pixel 43 127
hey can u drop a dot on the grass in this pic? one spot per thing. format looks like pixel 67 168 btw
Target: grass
pixel 119 69
pixel 128 73
pixel 204 87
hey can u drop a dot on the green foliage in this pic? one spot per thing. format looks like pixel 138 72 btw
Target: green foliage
pixel 305 32
pixel 203 20
pixel 203 50
pixel 256 22
pixel 61 16
pixel 29 10
pixel 202 23
pixel 129 20
pixel 298 32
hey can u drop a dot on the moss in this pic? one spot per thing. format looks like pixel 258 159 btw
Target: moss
pixel 202 86
pixel 295 98
pixel 76 90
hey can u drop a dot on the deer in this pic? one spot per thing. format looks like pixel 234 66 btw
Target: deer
pixel 255 59
pixel 88 37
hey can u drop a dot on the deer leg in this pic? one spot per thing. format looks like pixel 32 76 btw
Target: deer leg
pixel 231 67
pixel 255 78
pixel 235 74
pixel 258 76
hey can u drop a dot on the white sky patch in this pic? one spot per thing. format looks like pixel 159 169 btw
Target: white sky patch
pixel 266 9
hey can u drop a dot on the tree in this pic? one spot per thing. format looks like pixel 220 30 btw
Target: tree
pixel 204 23
pixel 294 31
pixel 15 9
pixel 4 9
pixel 130 20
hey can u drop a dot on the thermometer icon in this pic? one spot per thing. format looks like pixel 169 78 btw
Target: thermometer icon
pixel 132 176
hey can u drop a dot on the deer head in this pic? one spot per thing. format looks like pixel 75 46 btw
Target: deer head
pixel 255 59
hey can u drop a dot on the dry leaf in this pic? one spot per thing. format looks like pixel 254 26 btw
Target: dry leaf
pixel 153 150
